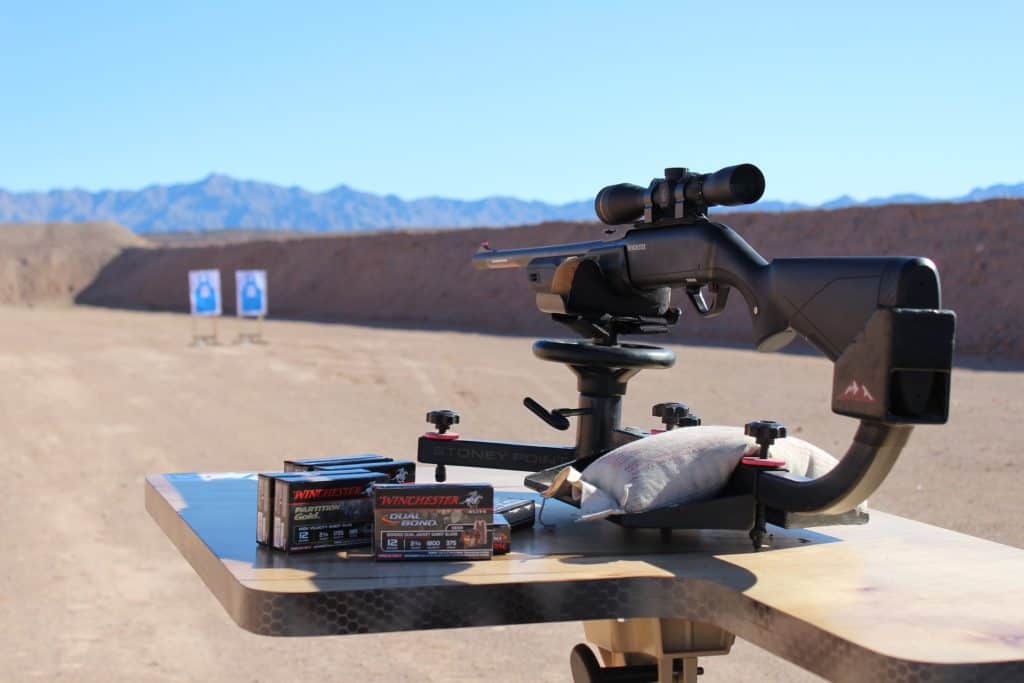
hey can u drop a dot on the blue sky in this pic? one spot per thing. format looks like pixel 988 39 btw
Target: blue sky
pixel 540 100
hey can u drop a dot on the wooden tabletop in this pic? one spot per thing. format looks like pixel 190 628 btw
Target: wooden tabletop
pixel 890 600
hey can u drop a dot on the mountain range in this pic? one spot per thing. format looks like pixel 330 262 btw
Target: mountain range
pixel 219 201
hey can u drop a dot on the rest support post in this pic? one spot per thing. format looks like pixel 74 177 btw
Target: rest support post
pixel 665 650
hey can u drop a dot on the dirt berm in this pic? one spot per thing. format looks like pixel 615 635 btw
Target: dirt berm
pixel 425 278
pixel 50 263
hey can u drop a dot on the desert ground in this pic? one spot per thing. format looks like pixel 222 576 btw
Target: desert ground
pixel 92 400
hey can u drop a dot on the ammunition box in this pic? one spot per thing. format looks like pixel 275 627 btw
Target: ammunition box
pixel 326 510
pixel 501 531
pixel 265 507
pixel 398 471
pixel 433 521
pixel 308 464
pixel 265 501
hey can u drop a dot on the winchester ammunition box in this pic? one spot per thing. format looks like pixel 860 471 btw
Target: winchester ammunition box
pixel 265 507
pixel 265 501
pixel 326 510
pixel 433 521
pixel 398 471
pixel 309 464
pixel 501 532
pixel 520 512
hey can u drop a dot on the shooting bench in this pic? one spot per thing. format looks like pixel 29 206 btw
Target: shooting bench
pixel 892 600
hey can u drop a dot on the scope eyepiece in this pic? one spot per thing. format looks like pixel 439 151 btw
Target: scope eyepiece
pixel 680 194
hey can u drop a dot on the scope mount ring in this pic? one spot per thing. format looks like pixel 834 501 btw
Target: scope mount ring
pixel 585 353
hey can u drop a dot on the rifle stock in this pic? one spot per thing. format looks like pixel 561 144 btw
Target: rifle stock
pixel 829 301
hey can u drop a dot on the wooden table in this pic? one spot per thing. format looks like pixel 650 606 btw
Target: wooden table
pixel 894 600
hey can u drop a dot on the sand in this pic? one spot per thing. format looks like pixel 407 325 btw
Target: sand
pixel 93 400
pixel 52 263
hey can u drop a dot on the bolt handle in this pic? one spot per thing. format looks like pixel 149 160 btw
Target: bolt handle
pixel 675 415
pixel 765 432
pixel 443 419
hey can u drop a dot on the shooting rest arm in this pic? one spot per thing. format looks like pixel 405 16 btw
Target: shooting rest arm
pixel 867 462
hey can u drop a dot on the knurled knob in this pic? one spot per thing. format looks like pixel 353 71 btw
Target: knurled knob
pixel 675 415
pixel 442 419
pixel 765 432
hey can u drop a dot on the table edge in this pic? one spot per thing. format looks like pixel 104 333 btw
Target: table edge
pixel 253 609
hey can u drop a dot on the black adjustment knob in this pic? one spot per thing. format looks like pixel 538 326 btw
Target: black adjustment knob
pixel 675 415
pixel 443 419
pixel 765 432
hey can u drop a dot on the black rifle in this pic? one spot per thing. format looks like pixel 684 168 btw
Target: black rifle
pixel 880 320
pixel 622 285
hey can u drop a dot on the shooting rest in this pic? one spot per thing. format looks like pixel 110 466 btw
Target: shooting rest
pixel 894 600
pixel 878 319
pixel 757 493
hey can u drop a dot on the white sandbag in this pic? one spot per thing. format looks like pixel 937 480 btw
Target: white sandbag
pixel 676 467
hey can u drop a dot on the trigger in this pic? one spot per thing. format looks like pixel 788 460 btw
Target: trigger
pixel 697 299
pixel 719 297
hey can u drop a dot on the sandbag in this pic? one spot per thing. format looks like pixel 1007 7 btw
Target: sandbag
pixel 676 467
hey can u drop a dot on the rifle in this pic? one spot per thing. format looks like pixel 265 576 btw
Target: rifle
pixel 879 320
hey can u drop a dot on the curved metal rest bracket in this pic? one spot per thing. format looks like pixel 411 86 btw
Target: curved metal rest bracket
pixel 867 462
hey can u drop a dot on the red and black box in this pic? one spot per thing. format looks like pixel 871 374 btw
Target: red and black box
pixel 433 521
pixel 325 510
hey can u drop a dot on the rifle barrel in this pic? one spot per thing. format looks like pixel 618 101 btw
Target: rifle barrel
pixel 488 259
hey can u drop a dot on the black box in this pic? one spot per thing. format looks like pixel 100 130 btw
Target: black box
pixel 433 521
pixel 307 464
pixel 520 512
pixel 398 471
pixel 325 510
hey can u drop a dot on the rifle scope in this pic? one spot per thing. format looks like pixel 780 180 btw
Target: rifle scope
pixel 680 189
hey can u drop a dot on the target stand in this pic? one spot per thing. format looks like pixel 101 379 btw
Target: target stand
pixel 199 338
pixel 254 337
